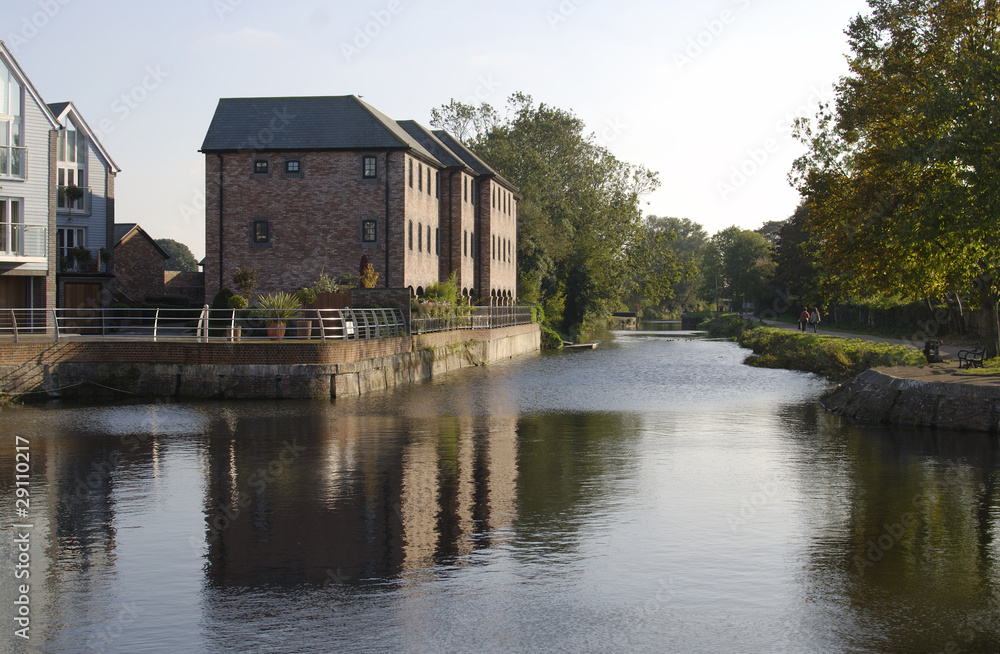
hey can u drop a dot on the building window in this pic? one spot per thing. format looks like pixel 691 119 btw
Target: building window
pixel 369 168
pixel 369 231
pixel 13 163
pixel 260 167
pixel 437 186
pixel 465 187
pixel 411 235
pixel 420 235
pixel 472 191
pixel 428 239
pixel 260 231
pixel 420 177
pixel 292 166
pixel 437 240
pixel 411 173
pixel 67 238
pixel 472 245
pixel 465 243
pixel 428 180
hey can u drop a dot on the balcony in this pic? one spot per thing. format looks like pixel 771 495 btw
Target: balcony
pixel 23 243
pixel 73 200
pixel 13 162
pixel 82 260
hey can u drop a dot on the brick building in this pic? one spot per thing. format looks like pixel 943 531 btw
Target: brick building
pixel 139 263
pixel 295 186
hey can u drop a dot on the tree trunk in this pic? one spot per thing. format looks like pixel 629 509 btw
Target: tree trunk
pixel 959 314
pixel 991 305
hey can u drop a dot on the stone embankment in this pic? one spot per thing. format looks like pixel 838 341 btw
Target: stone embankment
pixel 929 396
pixel 248 370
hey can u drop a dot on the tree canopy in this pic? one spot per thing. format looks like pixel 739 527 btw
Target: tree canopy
pixel 582 247
pixel 181 257
pixel 901 174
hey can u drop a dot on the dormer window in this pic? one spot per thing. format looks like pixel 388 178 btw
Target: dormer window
pixel 260 167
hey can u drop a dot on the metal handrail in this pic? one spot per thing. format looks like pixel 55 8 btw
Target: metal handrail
pixel 452 318
pixel 202 325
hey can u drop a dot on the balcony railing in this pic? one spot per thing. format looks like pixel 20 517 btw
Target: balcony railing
pixel 23 243
pixel 81 260
pixel 74 200
pixel 13 162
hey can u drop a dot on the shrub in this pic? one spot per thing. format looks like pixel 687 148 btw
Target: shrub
pixel 245 279
pixel 838 359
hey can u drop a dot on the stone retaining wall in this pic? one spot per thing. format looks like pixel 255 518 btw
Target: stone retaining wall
pixel 261 370
pixel 876 397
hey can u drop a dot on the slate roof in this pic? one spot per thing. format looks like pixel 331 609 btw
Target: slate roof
pixel 58 107
pixel 432 143
pixel 305 124
pixel 468 157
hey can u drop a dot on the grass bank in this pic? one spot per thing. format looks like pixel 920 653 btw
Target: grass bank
pixel 833 357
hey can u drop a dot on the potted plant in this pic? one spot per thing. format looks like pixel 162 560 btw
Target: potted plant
pixel 276 310
pixel 77 258
pixel 235 330
pixel 306 297
pixel 369 277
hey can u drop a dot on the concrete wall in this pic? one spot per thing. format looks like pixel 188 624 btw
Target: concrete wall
pixel 232 370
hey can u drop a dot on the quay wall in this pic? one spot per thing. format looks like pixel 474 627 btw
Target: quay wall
pixel 254 370
pixel 877 397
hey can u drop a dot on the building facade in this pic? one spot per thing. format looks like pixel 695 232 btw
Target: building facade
pixel 56 202
pixel 298 186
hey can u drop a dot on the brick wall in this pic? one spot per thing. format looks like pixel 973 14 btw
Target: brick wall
pixel 138 268
pixel 314 219
pixel 189 284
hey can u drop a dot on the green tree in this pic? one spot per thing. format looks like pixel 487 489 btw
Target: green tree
pixel 181 257
pixel 740 260
pixel 900 178
pixel 688 246
pixel 579 216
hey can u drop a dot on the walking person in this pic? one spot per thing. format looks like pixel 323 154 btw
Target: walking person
pixel 814 319
pixel 803 319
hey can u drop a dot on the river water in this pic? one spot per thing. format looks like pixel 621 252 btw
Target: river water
pixel 654 495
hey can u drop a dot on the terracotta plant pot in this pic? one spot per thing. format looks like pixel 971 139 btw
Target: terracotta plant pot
pixel 276 331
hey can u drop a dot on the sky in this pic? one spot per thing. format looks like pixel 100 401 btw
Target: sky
pixel 702 93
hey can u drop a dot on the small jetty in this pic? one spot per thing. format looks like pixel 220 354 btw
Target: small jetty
pixel 578 347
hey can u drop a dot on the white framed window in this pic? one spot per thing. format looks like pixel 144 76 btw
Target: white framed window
pixel 71 168
pixel 13 154
pixel 68 238
pixel 11 238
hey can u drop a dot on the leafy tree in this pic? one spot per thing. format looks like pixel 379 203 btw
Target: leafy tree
pixel 180 255
pixel 797 270
pixel 688 246
pixel 579 217
pixel 901 175
pixel 741 260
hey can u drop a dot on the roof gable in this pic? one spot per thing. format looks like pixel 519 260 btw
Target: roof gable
pixel 305 123
pixel 126 231
pixel 30 89
pixel 66 110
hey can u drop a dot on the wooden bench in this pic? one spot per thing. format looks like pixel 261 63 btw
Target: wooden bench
pixel 971 358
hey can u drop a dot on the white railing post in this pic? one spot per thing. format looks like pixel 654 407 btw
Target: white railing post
pixel 13 322
pixel 203 325
pixel 322 327
pixel 55 326
pixel 156 324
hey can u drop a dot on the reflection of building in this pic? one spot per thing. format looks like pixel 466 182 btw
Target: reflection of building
pixel 350 509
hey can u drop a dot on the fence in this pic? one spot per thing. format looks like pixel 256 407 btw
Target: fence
pixel 201 325
pixel 451 318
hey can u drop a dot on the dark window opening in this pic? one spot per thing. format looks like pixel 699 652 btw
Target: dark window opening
pixel 369 231
pixel 370 168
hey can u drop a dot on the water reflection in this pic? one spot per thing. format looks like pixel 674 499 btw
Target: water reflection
pixel 647 497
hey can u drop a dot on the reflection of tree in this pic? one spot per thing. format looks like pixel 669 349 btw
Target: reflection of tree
pixel 918 557
pixel 567 465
